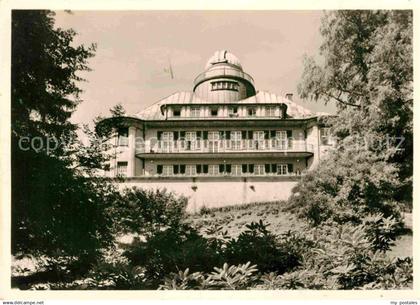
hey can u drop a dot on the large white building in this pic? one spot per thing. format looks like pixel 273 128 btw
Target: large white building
pixel 223 143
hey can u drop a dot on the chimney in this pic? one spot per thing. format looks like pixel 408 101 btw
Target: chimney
pixel 289 96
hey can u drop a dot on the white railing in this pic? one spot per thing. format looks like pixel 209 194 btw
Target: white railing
pixel 220 146
pixel 263 174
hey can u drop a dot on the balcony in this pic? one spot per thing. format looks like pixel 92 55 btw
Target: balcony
pixel 224 146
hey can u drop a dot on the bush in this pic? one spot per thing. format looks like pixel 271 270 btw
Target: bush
pixel 261 247
pixel 179 248
pixel 342 257
pixel 225 278
pixel 346 186
pixel 382 231
pixel 172 250
pixel 146 212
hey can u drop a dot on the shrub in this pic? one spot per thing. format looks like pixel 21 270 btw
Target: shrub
pixel 173 250
pixel 343 257
pixel 225 278
pixel 261 247
pixel 348 184
pixel 381 231
pixel 146 212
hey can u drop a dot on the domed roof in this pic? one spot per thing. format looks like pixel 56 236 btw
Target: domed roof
pixel 223 56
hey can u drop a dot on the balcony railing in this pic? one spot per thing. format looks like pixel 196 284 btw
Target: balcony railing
pixel 214 175
pixel 222 146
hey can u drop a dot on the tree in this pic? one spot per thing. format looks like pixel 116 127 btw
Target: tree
pixel 118 110
pixel 367 70
pixel 44 75
pixel 57 209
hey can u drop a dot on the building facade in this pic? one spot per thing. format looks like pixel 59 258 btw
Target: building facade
pixel 224 143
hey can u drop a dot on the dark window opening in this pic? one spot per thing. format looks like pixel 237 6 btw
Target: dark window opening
pixel 123 136
pixel 179 169
pixel 202 168
pixel 225 168
pixel 177 112
pixel 251 111
pixel 248 168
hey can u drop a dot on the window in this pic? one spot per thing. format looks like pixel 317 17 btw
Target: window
pixel 225 169
pixel 251 111
pixel 259 169
pixel 179 169
pixel 270 111
pixel 122 169
pixel 224 134
pixel 202 169
pixel 190 140
pixel 282 169
pixel 167 170
pixel 159 169
pixel 195 112
pixel 191 170
pixel 213 111
pixel 177 112
pixel 165 139
pixel 236 137
pixel 247 134
pixel 224 85
pixel 259 135
pixel 213 169
pixel 213 135
pixel 325 136
pixel 167 136
pixel 233 111
pixel 289 135
pixel 281 137
pixel 247 168
pixel 289 168
pixel 236 170
pixel 123 136
pixel 270 168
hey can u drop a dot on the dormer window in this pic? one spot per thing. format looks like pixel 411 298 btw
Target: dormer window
pixel 252 111
pixel 195 112
pixel 270 111
pixel 233 111
pixel 177 112
pixel 224 85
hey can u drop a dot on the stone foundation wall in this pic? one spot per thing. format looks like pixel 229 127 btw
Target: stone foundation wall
pixel 213 192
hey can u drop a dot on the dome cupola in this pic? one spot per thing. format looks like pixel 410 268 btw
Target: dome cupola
pixel 223 80
pixel 223 57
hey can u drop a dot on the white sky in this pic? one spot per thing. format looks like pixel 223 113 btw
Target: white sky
pixel 134 47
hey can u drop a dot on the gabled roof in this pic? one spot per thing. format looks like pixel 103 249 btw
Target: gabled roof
pixel 154 112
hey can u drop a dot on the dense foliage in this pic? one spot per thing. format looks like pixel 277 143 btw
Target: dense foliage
pixel 349 185
pixel 145 212
pixel 366 68
pixel 325 257
pixel 57 209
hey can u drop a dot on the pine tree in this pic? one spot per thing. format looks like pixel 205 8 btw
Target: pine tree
pixel 56 209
